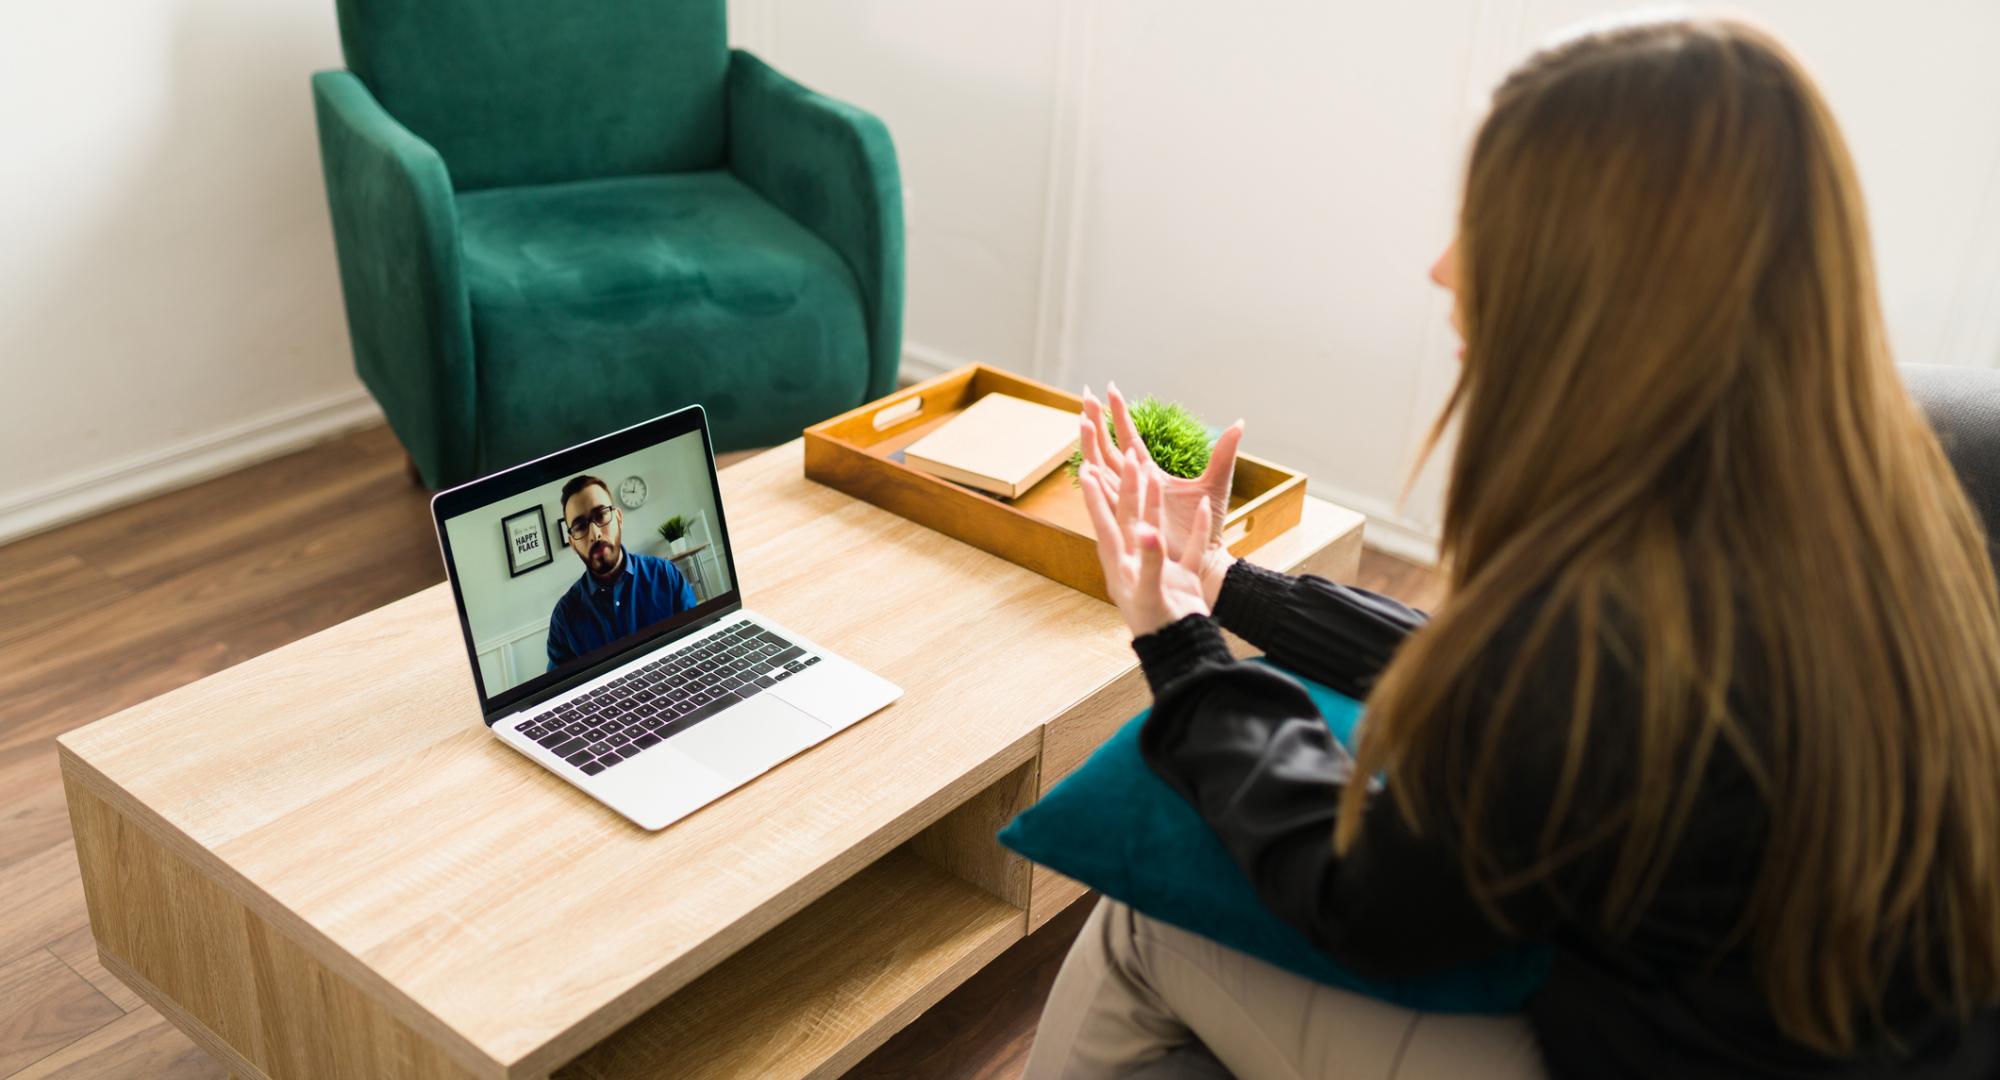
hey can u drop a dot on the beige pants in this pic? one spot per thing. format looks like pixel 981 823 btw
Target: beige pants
pixel 1134 989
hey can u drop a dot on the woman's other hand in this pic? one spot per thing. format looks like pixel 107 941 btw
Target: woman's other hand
pixel 1181 499
pixel 1152 571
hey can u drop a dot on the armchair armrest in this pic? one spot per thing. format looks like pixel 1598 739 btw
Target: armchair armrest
pixel 395 230
pixel 832 167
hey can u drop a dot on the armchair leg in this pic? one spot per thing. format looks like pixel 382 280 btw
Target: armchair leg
pixel 410 470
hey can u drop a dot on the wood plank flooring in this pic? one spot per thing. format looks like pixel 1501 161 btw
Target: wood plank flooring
pixel 111 609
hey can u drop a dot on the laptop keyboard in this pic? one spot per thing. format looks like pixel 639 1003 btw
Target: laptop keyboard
pixel 635 712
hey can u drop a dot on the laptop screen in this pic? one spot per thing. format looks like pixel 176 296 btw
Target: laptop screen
pixel 596 554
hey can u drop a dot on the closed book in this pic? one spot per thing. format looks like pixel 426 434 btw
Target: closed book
pixel 1000 443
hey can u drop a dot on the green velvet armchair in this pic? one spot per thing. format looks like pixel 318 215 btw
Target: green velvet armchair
pixel 557 219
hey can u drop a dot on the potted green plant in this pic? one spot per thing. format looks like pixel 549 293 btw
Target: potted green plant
pixel 674 531
pixel 1176 438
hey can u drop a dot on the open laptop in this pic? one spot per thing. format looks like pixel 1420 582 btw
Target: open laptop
pixel 622 662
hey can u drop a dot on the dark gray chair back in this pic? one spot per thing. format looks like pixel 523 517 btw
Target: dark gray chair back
pixel 1963 404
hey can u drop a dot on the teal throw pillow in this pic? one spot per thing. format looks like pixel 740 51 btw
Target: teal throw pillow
pixel 1115 826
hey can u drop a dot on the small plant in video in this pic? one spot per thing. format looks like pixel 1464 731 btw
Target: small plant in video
pixel 1175 437
pixel 674 528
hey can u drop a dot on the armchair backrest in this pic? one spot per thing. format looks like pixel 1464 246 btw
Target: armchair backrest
pixel 1963 404
pixel 537 91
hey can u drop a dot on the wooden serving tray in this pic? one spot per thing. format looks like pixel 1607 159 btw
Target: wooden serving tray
pixel 1046 530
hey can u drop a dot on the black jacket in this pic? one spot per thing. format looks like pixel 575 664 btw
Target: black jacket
pixel 1245 745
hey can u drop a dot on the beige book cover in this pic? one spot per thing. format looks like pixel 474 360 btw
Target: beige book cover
pixel 1000 443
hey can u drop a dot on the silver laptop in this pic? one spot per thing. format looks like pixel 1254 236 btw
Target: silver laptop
pixel 622 660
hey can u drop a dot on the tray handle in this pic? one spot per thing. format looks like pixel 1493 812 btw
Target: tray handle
pixel 1233 531
pixel 891 415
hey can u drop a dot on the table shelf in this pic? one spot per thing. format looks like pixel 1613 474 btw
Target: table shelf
pixel 814 996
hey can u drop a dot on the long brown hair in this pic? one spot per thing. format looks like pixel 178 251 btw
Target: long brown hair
pixel 1678 413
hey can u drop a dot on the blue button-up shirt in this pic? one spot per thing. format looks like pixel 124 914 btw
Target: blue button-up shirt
pixel 593 614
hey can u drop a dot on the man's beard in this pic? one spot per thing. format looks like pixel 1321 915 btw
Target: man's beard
pixel 603 558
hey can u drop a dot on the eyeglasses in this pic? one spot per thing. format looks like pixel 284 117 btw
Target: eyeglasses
pixel 579 526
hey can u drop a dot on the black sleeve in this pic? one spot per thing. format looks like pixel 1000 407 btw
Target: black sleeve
pixel 1331 633
pixel 1246 746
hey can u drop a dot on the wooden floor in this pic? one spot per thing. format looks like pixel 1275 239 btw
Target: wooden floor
pixel 111 609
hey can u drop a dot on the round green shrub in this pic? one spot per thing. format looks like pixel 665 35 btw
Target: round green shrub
pixel 1175 437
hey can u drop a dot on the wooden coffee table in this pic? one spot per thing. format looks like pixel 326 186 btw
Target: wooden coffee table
pixel 318 863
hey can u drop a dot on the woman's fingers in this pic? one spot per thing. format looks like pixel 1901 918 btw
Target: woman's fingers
pixel 1151 494
pixel 1128 435
pixel 1191 545
pixel 1110 539
pixel 1150 555
pixel 1092 441
pixel 1222 456
pixel 1131 496
pixel 1095 444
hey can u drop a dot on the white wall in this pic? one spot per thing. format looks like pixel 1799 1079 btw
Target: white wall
pixel 1229 204
pixel 169 305
pixel 1236 205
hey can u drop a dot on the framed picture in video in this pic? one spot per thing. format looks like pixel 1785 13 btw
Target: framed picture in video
pixel 527 536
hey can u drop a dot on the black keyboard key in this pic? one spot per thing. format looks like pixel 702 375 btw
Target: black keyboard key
pixel 792 653
pixel 592 768
pixel 643 741
pixel 782 674
pixel 553 739
pixel 697 715
pixel 565 749
pixel 763 682
pixel 618 739
pixel 812 659
pixel 578 758
pixel 599 747
pixel 651 723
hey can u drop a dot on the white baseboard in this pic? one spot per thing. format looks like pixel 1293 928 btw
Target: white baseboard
pixel 188 462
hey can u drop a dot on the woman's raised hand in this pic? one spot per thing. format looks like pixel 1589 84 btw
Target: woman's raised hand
pixel 1152 571
pixel 1190 506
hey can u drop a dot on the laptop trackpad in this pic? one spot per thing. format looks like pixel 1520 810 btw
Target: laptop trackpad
pixel 751 737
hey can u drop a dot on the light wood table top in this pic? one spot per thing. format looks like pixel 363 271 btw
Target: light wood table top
pixel 344 789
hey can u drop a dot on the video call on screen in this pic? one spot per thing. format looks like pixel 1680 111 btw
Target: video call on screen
pixel 564 570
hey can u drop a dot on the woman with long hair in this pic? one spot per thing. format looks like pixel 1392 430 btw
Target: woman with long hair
pixel 1713 703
